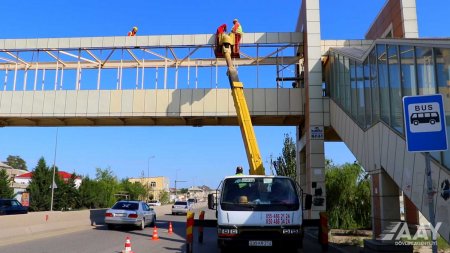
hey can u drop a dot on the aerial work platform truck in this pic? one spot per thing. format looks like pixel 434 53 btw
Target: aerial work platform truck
pixel 255 210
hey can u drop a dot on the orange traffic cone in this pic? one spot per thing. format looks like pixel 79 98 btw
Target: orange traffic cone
pixel 170 228
pixel 127 245
pixel 155 234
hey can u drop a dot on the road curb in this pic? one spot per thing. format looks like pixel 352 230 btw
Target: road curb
pixel 312 236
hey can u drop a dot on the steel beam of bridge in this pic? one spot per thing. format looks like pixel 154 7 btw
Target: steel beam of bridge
pixel 143 51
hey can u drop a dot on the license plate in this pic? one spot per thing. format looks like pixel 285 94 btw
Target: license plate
pixel 119 215
pixel 260 243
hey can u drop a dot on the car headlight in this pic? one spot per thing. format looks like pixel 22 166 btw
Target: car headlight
pixel 291 231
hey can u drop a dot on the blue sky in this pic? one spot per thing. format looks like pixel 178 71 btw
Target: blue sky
pixel 198 155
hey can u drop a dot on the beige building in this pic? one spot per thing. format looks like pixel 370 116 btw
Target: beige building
pixel 12 174
pixel 155 185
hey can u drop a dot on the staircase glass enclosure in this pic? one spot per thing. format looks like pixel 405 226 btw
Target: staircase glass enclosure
pixel 370 86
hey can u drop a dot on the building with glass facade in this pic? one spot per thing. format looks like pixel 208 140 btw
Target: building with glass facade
pixel 353 92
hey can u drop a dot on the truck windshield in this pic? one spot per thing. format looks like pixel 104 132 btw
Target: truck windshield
pixel 259 194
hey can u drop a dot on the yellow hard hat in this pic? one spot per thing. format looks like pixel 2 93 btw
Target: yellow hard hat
pixel 135 28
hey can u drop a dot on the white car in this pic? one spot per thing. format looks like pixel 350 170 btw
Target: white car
pixel 154 203
pixel 181 207
pixel 136 213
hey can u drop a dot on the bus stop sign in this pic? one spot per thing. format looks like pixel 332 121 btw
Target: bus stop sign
pixel 425 127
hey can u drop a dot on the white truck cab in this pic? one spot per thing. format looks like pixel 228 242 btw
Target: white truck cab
pixel 259 211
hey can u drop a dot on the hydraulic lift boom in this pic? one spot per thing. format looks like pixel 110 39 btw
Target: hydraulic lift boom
pixel 244 119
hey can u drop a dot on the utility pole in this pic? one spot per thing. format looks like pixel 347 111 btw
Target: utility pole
pixel 54 168
pixel 177 181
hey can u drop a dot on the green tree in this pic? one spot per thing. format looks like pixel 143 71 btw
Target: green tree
pixel 183 190
pixel 6 191
pixel 66 195
pixel 88 194
pixel 164 197
pixel 107 187
pixel 39 187
pixel 136 190
pixel 348 196
pixel 285 164
pixel 16 162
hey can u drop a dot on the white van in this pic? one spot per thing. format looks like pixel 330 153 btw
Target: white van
pixel 259 211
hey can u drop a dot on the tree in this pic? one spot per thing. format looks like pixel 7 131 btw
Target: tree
pixel 285 165
pixel 135 190
pixel 107 187
pixel 88 194
pixel 348 196
pixel 164 197
pixel 16 162
pixel 39 187
pixel 6 191
pixel 66 195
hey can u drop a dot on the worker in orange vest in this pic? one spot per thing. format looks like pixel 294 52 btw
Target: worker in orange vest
pixel 133 31
pixel 237 30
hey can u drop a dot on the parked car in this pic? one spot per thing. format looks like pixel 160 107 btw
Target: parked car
pixel 126 212
pixel 154 203
pixel 192 201
pixel 181 207
pixel 12 206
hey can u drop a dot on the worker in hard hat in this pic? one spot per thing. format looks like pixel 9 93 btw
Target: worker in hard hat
pixel 220 31
pixel 133 31
pixel 237 31
pixel 239 171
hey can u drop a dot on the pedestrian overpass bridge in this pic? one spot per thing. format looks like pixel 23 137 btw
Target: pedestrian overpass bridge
pixel 160 80
pixel 143 80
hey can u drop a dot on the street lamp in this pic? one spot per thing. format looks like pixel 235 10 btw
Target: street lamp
pixel 53 186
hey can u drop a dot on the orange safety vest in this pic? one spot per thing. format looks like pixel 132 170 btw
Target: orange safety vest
pixel 237 28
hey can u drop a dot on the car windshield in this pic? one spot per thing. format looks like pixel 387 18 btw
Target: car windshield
pixel 260 193
pixel 153 201
pixel 126 206
pixel 181 203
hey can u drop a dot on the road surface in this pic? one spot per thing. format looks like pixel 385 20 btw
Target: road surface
pixel 98 239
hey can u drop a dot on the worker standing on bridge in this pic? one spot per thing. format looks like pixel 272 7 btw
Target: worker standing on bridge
pixel 237 31
pixel 133 31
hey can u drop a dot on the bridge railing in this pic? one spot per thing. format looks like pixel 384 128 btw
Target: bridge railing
pixel 143 62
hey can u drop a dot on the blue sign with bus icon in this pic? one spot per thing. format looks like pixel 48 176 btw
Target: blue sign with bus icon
pixel 425 127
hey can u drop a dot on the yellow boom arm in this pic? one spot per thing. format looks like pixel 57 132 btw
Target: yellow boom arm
pixel 244 119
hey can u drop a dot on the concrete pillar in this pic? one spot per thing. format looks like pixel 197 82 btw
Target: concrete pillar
pixel 411 214
pixel 385 202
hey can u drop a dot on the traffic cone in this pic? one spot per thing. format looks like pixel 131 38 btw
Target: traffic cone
pixel 155 234
pixel 170 228
pixel 127 245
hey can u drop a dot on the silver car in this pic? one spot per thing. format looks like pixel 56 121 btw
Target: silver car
pixel 181 207
pixel 126 212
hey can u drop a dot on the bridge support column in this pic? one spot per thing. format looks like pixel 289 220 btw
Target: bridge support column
pixel 411 214
pixel 312 161
pixel 385 203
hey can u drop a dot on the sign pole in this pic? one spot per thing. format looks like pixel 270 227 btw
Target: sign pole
pixel 430 199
